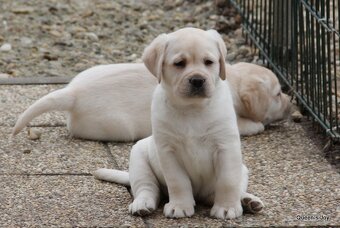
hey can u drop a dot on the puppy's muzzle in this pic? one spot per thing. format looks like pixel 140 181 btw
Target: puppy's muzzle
pixel 197 82
pixel 197 86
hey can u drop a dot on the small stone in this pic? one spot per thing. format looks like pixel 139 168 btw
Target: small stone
pixel 25 41
pixel 80 66
pixel 23 10
pixel 213 17
pixel 66 43
pixel 13 72
pixel 52 72
pixel 221 3
pixel 27 151
pixel 6 47
pixel 1 38
pixel 240 41
pixel 297 116
pixel 256 60
pixel 238 19
pixel 238 32
pixel 132 57
pixel 53 9
pixel 126 225
pixel 43 50
pixel 50 57
pixel 92 36
pixel 34 134
pixel 77 29
pixel 231 56
pixel 55 33
pixel 243 51
pixel 87 13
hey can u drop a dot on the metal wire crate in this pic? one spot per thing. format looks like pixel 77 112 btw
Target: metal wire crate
pixel 299 40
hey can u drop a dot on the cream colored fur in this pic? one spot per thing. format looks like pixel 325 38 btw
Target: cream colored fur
pixel 257 96
pixel 112 102
pixel 194 153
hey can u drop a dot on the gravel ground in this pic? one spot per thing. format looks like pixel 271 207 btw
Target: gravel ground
pixel 64 37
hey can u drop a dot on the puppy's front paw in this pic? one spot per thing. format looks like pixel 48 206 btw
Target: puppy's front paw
pixel 142 206
pixel 254 128
pixel 226 212
pixel 178 210
pixel 259 128
pixel 252 204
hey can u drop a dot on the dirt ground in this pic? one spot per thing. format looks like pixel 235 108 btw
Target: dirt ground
pixel 63 37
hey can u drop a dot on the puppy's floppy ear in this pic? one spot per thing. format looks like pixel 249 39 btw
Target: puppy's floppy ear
pixel 255 101
pixel 222 49
pixel 153 56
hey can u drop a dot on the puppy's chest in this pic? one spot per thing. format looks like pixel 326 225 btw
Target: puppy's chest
pixel 197 156
pixel 195 149
pixel 193 136
pixel 196 152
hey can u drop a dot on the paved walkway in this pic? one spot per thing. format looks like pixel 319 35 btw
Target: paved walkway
pixel 47 182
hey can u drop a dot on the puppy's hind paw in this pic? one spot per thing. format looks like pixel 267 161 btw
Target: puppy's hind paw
pixel 178 210
pixel 221 212
pixel 142 206
pixel 252 204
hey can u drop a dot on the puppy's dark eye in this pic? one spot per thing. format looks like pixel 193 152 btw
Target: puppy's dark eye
pixel 208 62
pixel 279 94
pixel 180 64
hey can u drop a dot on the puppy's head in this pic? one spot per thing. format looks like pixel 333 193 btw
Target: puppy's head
pixel 264 100
pixel 280 107
pixel 188 63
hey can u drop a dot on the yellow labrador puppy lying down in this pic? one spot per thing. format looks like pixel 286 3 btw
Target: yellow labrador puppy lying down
pixel 112 102
pixel 194 153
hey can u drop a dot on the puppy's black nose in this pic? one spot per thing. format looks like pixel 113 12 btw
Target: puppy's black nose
pixel 197 81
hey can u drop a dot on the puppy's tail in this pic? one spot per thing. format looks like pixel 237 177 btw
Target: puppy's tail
pixel 59 100
pixel 113 175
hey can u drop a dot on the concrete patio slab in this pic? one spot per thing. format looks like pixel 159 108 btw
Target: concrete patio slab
pixel 16 99
pixel 54 152
pixel 63 201
pixel 121 154
pixel 288 172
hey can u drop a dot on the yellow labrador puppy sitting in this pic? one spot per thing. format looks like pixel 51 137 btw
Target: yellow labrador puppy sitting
pixel 194 153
